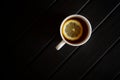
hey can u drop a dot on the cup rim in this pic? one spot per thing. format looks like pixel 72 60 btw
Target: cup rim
pixel 88 24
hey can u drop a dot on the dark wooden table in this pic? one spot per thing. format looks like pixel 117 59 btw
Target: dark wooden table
pixel 35 33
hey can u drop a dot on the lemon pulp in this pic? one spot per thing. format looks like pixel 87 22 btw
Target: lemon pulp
pixel 72 30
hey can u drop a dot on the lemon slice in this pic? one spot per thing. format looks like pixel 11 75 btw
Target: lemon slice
pixel 72 30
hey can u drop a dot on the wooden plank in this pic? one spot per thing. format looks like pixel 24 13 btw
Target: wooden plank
pixel 69 7
pixel 87 54
pixel 108 67
pixel 117 76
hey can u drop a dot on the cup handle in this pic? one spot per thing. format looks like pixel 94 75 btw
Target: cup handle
pixel 60 45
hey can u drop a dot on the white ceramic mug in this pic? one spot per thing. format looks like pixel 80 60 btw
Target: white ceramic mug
pixel 88 34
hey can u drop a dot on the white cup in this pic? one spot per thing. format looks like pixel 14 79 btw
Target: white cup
pixel 86 38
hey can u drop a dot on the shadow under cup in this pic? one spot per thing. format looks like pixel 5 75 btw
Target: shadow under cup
pixel 86 30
